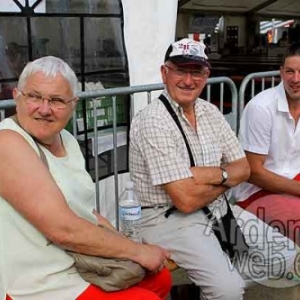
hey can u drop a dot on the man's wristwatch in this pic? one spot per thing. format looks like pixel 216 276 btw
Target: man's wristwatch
pixel 224 175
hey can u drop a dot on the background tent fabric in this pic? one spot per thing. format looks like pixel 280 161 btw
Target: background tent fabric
pixel 149 28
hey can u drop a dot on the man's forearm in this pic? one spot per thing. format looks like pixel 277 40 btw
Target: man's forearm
pixel 207 175
pixel 238 171
pixel 275 183
pixel 205 186
pixel 188 196
pixel 208 193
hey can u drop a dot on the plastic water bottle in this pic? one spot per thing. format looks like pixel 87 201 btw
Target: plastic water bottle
pixel 130 213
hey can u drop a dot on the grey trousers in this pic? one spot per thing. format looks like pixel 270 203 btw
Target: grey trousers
pixel 194 247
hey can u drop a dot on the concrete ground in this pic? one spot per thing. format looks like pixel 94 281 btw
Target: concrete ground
pixel 281 289
pixel 274 293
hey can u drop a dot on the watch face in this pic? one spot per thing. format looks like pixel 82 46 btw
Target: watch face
pixel 224 174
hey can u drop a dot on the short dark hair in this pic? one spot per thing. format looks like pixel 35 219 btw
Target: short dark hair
pixel 293 50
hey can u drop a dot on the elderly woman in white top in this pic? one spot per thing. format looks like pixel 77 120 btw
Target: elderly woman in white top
pixel 39 204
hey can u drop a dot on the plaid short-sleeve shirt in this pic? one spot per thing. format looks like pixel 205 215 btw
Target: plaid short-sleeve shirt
pixel 158 154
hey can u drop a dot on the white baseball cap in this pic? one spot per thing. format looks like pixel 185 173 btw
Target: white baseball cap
pixel 187 52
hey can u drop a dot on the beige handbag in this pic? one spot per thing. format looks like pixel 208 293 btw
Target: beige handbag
pixel 108 273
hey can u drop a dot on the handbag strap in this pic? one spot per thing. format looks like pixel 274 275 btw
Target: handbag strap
pixel 169 108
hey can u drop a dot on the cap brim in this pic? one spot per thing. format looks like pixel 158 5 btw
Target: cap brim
pixel 181 60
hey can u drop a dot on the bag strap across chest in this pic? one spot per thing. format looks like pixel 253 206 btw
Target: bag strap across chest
pixel 171 111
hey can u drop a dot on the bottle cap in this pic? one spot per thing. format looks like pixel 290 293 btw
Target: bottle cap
pixel 129 185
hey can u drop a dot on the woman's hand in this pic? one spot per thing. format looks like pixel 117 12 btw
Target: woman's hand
pixel 152 257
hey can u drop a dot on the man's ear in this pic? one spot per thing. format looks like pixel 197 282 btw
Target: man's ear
pixel 281 72
pixel 163 71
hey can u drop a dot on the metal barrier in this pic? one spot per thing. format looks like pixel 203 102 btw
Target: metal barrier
pixel 264 77
pixel 114 92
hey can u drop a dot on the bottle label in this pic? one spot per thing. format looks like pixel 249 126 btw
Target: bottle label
pixel 130 213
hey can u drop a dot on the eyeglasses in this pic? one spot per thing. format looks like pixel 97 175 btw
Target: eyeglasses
pixel 196 74
pixel 54 102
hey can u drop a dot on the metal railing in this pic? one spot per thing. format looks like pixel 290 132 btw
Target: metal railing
pixel 255 78
pixel 132 90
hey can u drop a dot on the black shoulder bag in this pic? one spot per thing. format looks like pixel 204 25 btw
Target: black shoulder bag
pixel 226 230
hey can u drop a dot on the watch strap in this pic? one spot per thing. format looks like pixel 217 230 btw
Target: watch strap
pixel 224 178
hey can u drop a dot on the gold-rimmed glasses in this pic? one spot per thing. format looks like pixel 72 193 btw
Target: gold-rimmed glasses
pixel 195 74
pixel 54 102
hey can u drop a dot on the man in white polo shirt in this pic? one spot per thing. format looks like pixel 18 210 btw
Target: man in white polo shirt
pixel 270 136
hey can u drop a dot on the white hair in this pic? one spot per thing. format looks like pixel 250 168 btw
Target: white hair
pixel 50 66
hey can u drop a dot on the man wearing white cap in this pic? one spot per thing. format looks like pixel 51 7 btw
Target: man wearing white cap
pixel 183 158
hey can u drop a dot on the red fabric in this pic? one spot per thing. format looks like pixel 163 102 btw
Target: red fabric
pixel 153 287
pixel 280 211
pixel 244 204
pixel 297 177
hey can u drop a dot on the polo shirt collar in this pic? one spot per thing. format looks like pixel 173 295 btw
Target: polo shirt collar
pixel 282 104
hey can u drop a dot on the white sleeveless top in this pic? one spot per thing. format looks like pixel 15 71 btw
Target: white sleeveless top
pixel 29 268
